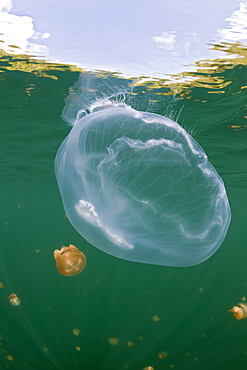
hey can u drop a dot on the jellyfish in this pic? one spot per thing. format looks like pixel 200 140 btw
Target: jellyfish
pixel 14 300
pixel 137 186
pixel 76 332
pixel 69 260
pixel 239 311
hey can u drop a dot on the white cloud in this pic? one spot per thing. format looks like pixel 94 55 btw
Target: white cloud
pixel 165 41
pixel 15 31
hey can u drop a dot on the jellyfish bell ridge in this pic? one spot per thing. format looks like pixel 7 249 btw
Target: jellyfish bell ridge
pixel 138 186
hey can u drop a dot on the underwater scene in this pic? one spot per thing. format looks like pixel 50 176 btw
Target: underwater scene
pixel 123 214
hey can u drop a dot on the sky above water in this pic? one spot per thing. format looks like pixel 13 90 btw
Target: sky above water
pixel 150 38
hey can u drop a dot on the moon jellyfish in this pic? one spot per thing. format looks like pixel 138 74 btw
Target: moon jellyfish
pixel 136 185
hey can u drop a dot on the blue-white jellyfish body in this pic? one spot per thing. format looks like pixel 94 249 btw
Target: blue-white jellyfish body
pixel 137 186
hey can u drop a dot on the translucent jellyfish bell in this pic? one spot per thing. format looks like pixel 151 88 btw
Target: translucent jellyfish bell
pixel 137 186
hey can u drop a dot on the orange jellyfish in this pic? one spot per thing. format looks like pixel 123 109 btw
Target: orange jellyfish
pixel 14 300
pixel 69 260
pixel 239 311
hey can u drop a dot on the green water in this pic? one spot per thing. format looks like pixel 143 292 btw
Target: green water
pixel 152 312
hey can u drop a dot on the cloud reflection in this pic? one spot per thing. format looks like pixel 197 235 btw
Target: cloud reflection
pixel 238 25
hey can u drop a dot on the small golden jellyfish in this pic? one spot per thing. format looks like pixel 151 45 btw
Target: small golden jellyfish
pixel 76 332
pixel 162 355
pixel 69 260
pixel 239 311
pixel 14 300
pixel 113 341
